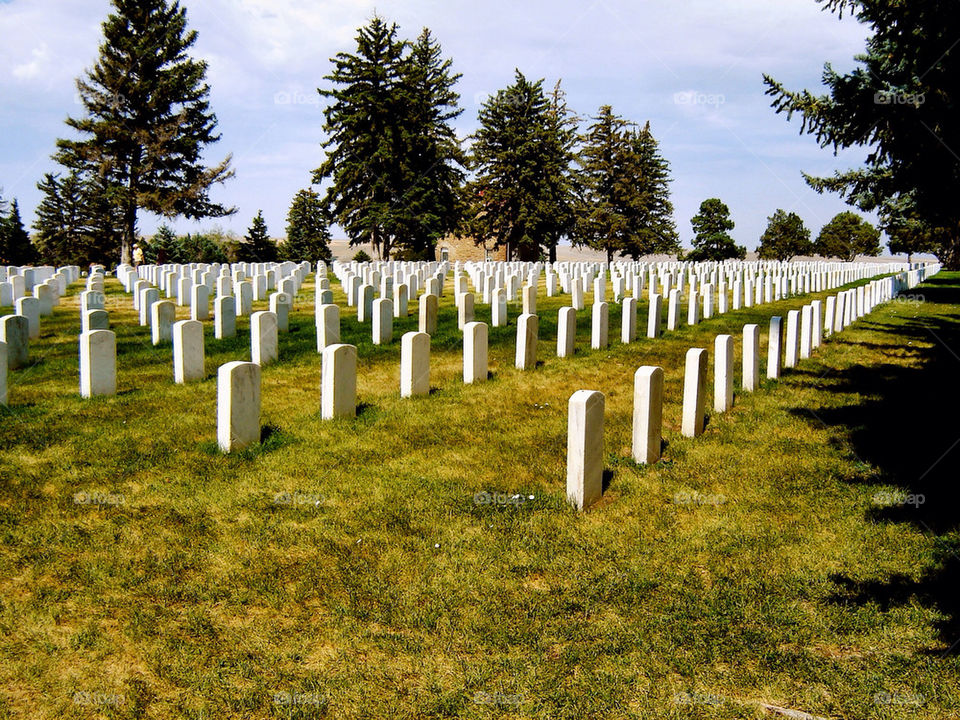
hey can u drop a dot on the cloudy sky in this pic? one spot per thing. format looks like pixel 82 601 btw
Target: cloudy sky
pixel 692 68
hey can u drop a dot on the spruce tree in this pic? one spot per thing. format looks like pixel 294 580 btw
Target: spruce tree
pixel 147 118
pixel 76 224
pixel 257 245
pixel 164 247
pixel 431 205
pixel 899 103
pixel 625 205
pixel 366 139
pixel 657 230
pixel 785 238
pixel 15 245
pixel 846 236
pixel 711 236
pixel 308 237
pixel 521 197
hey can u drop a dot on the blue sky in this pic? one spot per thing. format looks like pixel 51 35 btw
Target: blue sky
pixel 692 68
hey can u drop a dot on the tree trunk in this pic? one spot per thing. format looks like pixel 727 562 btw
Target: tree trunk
pixel 129 233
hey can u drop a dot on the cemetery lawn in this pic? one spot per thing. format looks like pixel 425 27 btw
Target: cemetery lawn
pixel 352 569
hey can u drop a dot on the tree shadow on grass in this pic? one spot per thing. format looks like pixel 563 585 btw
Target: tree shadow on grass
pixel 906 428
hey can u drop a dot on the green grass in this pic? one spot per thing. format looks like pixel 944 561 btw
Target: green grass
pixel 752 565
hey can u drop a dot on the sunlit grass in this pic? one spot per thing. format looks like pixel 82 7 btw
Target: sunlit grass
pixel 379 587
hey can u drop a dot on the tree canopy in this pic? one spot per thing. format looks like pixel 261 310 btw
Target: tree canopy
pixel 147 119
pixel 711 236
pixel 785 238
pixel 846 236
pixel 522 193
pixel 900 102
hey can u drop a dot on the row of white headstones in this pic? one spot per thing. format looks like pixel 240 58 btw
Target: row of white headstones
pixel 804 332
pixel 239 382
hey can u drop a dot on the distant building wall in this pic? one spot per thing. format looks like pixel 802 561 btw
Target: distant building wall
pixel 466 249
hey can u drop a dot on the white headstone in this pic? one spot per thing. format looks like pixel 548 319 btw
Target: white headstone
pixel 600 326
pixel 694 392
pixel 263 338
pixel 338 394
pixel 654 313
pixel 94 320
pixel 793 339
pixel 751 357
pixel 475 365
pixel 585 448
pixel 98 363
pixel 188 351
pixel 163 313
pixel 528 327
pixel 15 334
pixel 383 321
pixel 628 320
pixel 225 317
pixel 722 373
pixel 647 414
pixel 414 364
pixel 238 405
pixel 428 314
pixel 29 307
pixel 327 320
pixel 566 332
pixel 775 348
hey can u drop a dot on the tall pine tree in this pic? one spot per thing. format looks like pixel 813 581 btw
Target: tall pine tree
pixel 625 190
pixel 76 224
pixel 15 245
pixel 308 237
pixel 365 138
pixel 522 195
pixel 431 204
pixel 257 245
pixel 657 229
pixel 147 118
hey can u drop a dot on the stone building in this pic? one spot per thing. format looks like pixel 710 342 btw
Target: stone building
pixel 466 249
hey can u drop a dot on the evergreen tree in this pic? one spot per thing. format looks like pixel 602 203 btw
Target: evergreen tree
pixel 846 236
pixel 657 231
pixel 15 245
pixel 785 238
pixel 431 206
pixel 308 237
pixel 901 104
pixel 147 118
pixel 365 142
pixel 257 245
pixel 711 236
pixel 522 195
pixel 76 224
pixel 164 247
pixel 612 199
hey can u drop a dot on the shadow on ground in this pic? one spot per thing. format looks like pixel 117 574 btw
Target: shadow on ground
pixel 907 427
